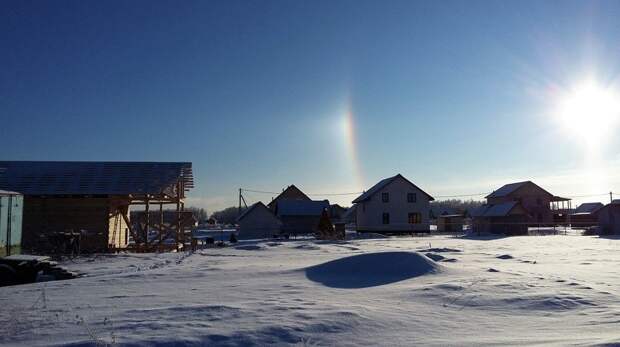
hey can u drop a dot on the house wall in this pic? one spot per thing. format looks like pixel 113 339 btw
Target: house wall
pixel 46 216
pixel 508 225
pixel 528 196
pixel 609 219
pixel 258 224
pixel 369 213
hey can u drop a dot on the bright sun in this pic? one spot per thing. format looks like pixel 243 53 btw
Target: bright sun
pixel 589 110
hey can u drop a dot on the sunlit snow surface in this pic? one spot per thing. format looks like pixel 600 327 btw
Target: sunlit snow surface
pixel 545 290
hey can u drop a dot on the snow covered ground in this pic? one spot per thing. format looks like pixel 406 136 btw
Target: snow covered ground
pixel 441 290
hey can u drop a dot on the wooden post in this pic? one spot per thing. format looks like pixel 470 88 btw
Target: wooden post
pixel 161 223
pixel 178 201
pixel 146 229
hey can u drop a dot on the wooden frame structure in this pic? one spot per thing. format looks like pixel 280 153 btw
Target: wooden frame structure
pixel 78 198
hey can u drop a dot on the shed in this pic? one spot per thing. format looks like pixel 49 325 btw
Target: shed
pixel 258 222
pixel 11 210
pixel 450 223
pixel 90 201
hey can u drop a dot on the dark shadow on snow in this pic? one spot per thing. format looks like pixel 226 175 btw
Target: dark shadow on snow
pixel 372 269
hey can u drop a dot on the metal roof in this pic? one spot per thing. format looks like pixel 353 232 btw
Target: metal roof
pixel 93 178
pixel 588 207
pixel 508 189
pixel 497 210
pixel 289 207
pixel 383 183
pixel 291 192
pixel 253 207
pixel 7 192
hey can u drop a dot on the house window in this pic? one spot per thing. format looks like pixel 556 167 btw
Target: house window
pixel 386 218
pixel 385 197
pixel 411 197
pixel 415 218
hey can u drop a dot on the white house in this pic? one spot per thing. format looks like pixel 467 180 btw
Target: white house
pixel 258 222
pixel 394 205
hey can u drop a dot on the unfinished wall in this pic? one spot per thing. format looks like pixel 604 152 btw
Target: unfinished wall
pixel 45 217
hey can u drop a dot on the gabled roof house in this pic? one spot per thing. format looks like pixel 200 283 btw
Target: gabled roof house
pixel 258 222
pixel 515 206
pixel 393 205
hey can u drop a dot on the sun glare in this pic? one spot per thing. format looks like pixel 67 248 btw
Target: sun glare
pixel 589 110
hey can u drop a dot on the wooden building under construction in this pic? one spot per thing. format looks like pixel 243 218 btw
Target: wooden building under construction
pixel 84 206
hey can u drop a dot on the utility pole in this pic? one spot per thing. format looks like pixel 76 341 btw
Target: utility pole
pixel 239 210
pixel 611 197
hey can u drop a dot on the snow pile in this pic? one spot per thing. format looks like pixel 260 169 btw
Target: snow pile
pixel 371 269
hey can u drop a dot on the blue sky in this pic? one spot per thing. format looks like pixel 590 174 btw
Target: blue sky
pixel 455 95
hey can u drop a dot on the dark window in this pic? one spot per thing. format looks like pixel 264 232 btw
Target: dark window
pixel 386 218
pixel 411 197
pixel 415 218
pixel 539 201
pixel 385 197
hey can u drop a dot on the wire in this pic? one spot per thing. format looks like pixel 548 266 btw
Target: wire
pixel 460 196
pixel 437 197
pixel 316 194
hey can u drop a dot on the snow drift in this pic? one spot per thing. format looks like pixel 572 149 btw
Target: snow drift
pixel 371 269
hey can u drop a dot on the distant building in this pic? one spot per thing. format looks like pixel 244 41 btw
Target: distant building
pixel 300 216
pixel 585 214
pixel 437 211
pixel 523 203
pixel 337 213
pixel 609 218
pixel 450 223
pixel 290 193
pixel 393 205
pixel 258 222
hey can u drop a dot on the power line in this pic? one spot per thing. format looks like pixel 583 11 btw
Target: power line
pixel 437 197
pixel 461 195
pixel 316 194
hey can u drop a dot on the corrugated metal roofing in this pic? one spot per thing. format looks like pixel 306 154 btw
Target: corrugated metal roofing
pixel 288 207
pixel 500 210
pixel 384 182
pixel 93 178
pixel 497 210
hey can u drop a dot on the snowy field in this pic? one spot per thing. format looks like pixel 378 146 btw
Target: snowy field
pixel 537 290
